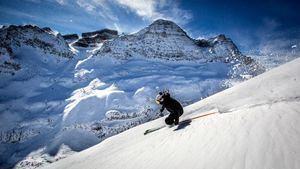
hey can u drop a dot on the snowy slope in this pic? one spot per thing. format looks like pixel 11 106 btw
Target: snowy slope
pixel 258 127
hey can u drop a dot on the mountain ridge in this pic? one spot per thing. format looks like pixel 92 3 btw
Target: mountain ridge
pixel 155 37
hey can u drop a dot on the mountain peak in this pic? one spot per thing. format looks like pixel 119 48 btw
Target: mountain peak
pixel 221 37
pixel 164 27
pixel 163 22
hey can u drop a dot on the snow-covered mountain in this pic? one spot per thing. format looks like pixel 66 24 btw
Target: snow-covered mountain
pixel 13 38
pixel 57 98
pixel 19 45
pixel 164 39
pixel 257 127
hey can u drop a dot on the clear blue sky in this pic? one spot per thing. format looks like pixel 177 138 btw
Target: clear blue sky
pixel 252 25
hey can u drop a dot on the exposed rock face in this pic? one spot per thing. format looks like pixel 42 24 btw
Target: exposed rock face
pixel 70 37
pixel 105 33
pixel 91 39
pixel 49 30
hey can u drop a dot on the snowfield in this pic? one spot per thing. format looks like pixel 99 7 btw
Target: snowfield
pixel 257 127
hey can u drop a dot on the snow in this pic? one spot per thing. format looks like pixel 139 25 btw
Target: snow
pixel 257 127
pixel 86 102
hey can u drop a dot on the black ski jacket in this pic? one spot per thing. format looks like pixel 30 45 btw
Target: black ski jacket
pixel 172 105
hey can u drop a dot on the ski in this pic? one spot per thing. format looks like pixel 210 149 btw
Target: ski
pixel 153 129
pixel 180 123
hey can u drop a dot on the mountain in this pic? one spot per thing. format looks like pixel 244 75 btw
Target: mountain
pixel 164 39
pixel 15 37
pixel 57 98
pixel 19 44
pixel 257 127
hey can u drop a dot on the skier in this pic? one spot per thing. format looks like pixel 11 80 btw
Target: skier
pixel 172 105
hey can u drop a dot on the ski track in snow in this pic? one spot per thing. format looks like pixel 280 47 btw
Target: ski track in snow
pixel 258 127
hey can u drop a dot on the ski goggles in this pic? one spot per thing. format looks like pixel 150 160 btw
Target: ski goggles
pixel 159 98
pixel 157 101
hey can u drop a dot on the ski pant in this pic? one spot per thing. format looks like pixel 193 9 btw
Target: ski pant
pixel 173 118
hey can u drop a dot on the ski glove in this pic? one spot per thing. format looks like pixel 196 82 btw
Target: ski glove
pixel 162 109
pixel 161 114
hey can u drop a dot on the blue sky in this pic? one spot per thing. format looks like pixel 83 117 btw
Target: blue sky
pixel 253 25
